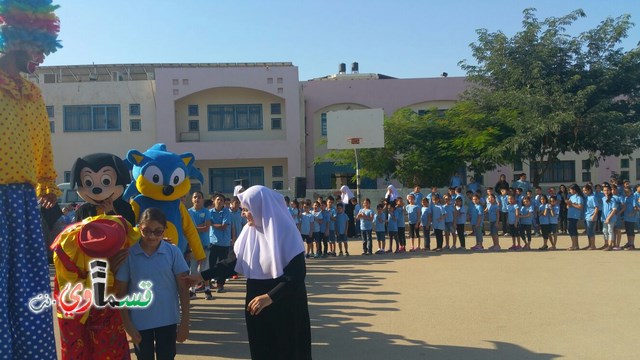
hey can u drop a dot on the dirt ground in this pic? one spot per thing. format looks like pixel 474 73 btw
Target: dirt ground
pixel 451 305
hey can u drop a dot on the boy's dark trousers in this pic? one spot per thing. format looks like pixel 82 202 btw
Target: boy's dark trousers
pixel 325 244
pixel 439 238
pixel 218 253
pixel 427 236
pixel 165 343
pixel 366 241
pixel 503 220
pixel 460 232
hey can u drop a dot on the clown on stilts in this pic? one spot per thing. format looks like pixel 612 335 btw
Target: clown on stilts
pixel 28 32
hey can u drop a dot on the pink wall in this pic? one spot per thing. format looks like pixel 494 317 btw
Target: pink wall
pixel 388 94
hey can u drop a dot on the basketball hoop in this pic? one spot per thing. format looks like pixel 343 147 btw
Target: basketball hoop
pixel 354 140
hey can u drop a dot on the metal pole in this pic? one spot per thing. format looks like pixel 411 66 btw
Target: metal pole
pixel 357 176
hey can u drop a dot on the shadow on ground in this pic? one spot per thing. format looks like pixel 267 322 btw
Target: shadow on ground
pixel 343 293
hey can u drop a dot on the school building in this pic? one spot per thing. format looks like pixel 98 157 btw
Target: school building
pixel 252 121
pixel 241 121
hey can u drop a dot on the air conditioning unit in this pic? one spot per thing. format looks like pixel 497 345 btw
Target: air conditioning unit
pixel 49 78
pixel 93 77
pixel 117 76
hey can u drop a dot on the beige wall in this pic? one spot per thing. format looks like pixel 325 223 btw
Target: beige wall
pixel 227 95
pixel 68 146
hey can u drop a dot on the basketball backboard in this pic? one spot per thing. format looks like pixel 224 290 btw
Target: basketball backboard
pixel 355 129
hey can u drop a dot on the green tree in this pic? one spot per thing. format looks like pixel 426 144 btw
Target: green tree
pixel 543 93
pixel 417 150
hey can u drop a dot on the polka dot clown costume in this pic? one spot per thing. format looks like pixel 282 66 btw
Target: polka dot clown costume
pixel 28 32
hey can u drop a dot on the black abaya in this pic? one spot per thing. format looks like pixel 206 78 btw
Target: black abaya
pixel 351 228
pixel 282 330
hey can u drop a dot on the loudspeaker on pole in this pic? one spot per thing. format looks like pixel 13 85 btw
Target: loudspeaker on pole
pixel 300 187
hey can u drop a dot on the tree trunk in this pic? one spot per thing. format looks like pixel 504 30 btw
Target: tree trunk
pixel 536 177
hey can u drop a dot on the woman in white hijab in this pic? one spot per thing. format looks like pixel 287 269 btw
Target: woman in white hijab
pixel 345 194
pixel 237 190
pixel 392 193
pixel 270 253
pixel 345 197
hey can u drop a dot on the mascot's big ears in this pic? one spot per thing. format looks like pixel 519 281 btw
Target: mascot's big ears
pixel 97 161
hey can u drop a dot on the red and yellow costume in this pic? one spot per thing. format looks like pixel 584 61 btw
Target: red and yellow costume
pixel 97 333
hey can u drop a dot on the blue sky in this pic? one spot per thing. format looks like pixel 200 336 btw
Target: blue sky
pixel 400 38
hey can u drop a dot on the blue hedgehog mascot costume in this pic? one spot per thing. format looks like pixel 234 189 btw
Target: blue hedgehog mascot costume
pixel 160 179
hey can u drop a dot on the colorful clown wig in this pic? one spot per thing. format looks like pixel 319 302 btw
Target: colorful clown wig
pixel 29 25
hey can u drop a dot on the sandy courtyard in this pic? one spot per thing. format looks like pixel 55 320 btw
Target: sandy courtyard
pixel 451 305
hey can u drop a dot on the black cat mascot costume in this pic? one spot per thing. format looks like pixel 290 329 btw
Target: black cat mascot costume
pixel 100 180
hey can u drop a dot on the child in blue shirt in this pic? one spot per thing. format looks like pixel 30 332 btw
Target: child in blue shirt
pixel 476 215
pixel 599 195
pixel 156 328
pixel 332 226
pixel 306 228
pixel 492 212
pixel 460 218
pixel 504 203
pixel 544 219
pixel 458 194
pixel 365 215
pixel 512 220
pixel 379 221
pixel 574 213
pixel 202 220
pixel 609 217
pixel 438 215
pixel 519 196
pixel 220 235
pixel 392 227
pixel 318 219
pixel 448 220
pixel 324 228
pixel 356 210
pixel 525 218
pixel 342 224
pixel 413 213
pixel 237 221
pixel 553 210
pixel 534 204
pixel 619 225
pixel 425 221
pixel 400 221
pixel 592 210
pixel 294 210
pixel 630 218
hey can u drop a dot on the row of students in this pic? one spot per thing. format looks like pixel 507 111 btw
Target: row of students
pixel 617 211
pixel 322 225
pixel 218 222
pixel 522 214
pixel 534 215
